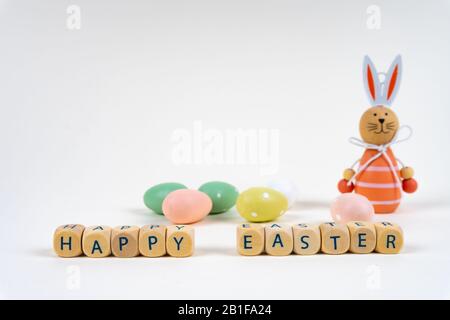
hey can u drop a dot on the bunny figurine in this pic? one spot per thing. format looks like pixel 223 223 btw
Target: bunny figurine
pixel 378 176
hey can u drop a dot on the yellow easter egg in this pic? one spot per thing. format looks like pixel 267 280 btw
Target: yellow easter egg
pixel 260 204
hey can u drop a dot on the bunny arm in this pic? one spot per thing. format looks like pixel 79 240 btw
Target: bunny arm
pixel 405 172
pixel 350 172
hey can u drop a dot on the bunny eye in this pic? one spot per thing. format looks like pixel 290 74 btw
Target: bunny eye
pixel 374 114
pixel 386 114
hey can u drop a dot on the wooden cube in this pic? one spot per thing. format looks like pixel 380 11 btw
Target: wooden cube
pixel 67 240
pixel 125 241
pixel 335 238
pixel 363 236
pixel 279 240
pixel 250 239
pixel 180 241
pixel 152 240
pixel 306 238
pixel 389 237
pixel 97 241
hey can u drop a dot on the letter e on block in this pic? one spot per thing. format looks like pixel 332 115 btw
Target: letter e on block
pixel 250 239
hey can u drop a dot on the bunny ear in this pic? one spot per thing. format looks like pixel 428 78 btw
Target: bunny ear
pixel 392 82
pixel 371 81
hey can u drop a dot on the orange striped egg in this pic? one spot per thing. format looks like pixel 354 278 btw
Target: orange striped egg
pixel 378 183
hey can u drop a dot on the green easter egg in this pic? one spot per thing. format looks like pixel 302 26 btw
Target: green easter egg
pixel 154 197
pixel 261 204
pixel 223 195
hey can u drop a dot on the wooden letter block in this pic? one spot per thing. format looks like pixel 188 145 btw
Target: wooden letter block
pixel 279 240
pixel 152 241
pixel 250 239
pixel 67 240
pixel 180 241
pixel 124 241
pixel 97 241
pixel 362 236
pixel 389 237
pixel 306 238
pixel 335 238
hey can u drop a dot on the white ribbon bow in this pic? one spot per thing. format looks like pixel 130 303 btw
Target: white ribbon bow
pixel 382 152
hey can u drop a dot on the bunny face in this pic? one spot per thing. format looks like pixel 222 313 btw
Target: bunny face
pixel 378 125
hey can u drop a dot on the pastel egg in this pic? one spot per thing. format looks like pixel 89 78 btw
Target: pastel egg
pixel 286 187
pixel 223 195
pixel 351 207
pixel 154 197
pixel 186 206
pixel 261 204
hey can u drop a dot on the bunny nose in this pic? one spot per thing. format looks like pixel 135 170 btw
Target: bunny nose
pixel 381 121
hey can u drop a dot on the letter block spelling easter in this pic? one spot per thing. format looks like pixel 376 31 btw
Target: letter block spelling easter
pixel 152 241
pixel 389 237
pixel 124 241
pixel 306 239
pixel 180 241
pixel 362 237
pixel 67 240
pixel 279 240
pixel 250 239
pixel 97 241
pixel 335 238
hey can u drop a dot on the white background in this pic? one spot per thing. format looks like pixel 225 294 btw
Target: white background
pixel 87 119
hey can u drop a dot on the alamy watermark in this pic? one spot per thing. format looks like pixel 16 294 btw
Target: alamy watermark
pixel 73 21
pixel 208 146
pixel 373 281
pixel 73 278
pixel 373 21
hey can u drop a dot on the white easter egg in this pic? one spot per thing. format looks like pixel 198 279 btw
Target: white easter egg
pixel 286 187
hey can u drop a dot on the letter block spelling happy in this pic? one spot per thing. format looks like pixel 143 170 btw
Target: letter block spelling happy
pixel 124 241
pixel 335 238
pixel 152 240
pixel 306 239
pixel 67 240
pixel 97 241
pixel 279 240
pixel 180 241
pixel 250 239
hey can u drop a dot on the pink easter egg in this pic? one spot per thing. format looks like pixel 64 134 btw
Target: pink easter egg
pixel 186 206
pixel 351 207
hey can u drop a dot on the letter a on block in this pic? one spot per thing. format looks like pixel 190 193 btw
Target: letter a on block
pixel 97 241
pixel 279 240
